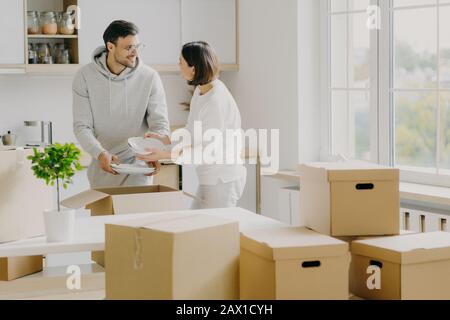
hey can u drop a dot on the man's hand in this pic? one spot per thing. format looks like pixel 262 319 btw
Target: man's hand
pixel 163 139
pixel 105 160
pixel 156 165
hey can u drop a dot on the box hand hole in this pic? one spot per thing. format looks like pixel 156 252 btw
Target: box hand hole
pixel 376 263
pixel 365 186
pixel 311 264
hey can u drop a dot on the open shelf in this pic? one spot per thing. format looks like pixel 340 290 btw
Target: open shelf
pixel 56 36
pixel 70 41
pixel 52 69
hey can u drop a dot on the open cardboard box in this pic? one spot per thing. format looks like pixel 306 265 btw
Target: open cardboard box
pixel 126 200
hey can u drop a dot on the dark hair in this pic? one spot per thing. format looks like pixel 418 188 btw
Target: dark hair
pixel 203 58
pixel 119 29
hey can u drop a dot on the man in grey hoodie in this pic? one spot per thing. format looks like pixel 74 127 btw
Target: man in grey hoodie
pixel 114 98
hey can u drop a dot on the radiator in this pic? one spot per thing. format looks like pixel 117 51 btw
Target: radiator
pixel 419 220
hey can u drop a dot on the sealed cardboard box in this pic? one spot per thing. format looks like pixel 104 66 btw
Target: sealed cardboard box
pixel 17 267
pixel 408 267
pixel 173 256
pixel 23 197
pixel 350 198
pixel 292 263
pixel 125 200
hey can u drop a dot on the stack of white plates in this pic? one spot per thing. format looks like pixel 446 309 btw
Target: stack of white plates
pixel 132 169
pixel 140 145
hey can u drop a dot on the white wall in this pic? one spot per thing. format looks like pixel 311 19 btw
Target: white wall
pixel 309 80
pixel 265 87
pixel 278 83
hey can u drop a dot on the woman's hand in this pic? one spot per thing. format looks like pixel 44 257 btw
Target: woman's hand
pixel 154 156
pixel 155 165
pixel 163 139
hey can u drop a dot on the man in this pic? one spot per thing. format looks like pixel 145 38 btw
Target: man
pixel 114 98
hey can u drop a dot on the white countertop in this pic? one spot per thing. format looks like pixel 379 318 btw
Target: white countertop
pixel 90 232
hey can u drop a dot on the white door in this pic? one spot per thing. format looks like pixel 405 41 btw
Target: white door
pixel 158 22
pixel 12 32
pixel 213 21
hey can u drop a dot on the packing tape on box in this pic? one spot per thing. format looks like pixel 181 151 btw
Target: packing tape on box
pixel 138 250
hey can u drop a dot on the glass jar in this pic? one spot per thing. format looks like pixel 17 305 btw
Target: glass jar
pixel 33 23
pixel 32 54
pixel 58 50
pixel 66 25
pixel 48 22
pixel 65 57
pixel 43 53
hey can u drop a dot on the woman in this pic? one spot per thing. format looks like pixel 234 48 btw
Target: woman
pixel 220 185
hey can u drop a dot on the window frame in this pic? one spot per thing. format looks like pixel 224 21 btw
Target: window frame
pixel 382 116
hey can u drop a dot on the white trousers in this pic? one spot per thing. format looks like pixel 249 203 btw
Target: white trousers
pixel 221 195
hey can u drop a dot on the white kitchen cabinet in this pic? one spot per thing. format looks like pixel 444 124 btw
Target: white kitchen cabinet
pixel 213 21
pixel 12 31
pixel 289 206
pixel 158 22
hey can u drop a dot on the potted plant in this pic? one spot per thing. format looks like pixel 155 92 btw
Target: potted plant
pixel 57 164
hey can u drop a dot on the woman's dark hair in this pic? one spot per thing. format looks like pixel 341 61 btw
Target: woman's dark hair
pixel 203 58
pixel 119 29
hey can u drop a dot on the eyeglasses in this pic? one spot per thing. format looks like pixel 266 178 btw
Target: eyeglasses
pixel 138 47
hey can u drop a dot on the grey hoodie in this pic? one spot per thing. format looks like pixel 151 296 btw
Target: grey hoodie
pixel 108 109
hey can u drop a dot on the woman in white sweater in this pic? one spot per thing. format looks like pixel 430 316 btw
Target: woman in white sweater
pixel 221 184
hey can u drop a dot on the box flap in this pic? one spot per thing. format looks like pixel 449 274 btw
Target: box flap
pixel 406 249
pixel 148 220
pixel 347 171
pixel 190 223
pixel 177 222
pixel 135 190
pixel 84 198
pixel 283 243
pixel 149 202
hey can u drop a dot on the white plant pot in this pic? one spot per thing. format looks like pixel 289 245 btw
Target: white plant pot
pixel 59 226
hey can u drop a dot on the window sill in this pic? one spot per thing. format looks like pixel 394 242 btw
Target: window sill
pixel 425 193
pixel 408 191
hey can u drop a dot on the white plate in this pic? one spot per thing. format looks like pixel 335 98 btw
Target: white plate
pixel 133 169
pixel 139 145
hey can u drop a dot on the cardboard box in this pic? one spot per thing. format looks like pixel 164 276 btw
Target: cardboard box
pixel 17 267
pixel 179 256
pixel 292 263
pixel 408 267
pixel 23 197
pixel 350 198
pixel 125 200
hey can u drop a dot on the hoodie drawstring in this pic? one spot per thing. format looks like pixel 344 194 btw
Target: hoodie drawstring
pixel 110 111
pixel 126 96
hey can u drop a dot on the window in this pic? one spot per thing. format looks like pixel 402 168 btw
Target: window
pixel 352 80
pixel 389 89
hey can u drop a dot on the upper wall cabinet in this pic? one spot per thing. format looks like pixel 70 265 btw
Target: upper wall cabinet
pixel 12 30
pixel 158 22
pixel 214 21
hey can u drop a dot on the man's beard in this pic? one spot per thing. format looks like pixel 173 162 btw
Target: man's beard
pixel 126 63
